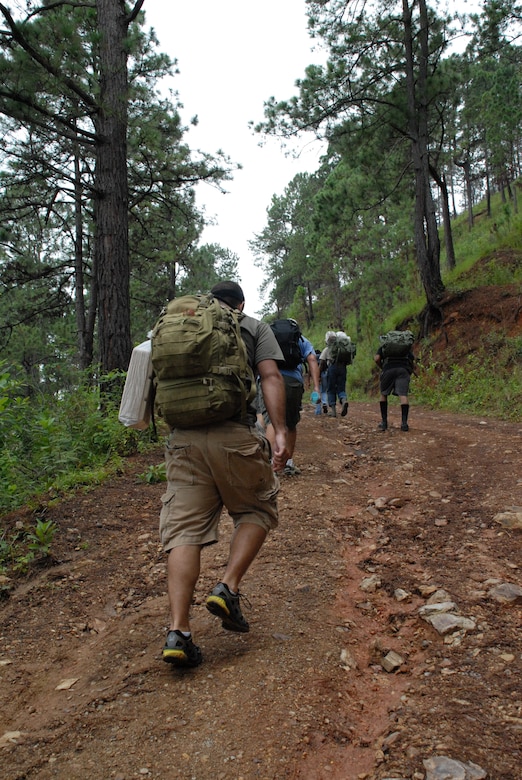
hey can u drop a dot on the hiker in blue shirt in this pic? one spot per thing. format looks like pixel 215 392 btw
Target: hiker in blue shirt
pixel 294 386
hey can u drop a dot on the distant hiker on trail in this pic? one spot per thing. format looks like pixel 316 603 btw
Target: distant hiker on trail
pixel 296 350
pixel 335 357
pixel 225 463
pixel 397 362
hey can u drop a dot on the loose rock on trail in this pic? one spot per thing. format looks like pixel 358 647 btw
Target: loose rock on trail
pixel 385 622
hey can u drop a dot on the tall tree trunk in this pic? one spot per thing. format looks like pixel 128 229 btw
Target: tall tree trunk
pixel 304 304
pixel 173 281
pixel 426 236
pixel 488 184
pixel 111 204
pixel 85 321
pixel 512 185
pixel 446 217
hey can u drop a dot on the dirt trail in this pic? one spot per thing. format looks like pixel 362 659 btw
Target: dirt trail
pixel 375 524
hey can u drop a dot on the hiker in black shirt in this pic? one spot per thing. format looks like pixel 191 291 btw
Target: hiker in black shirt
pixel 395 379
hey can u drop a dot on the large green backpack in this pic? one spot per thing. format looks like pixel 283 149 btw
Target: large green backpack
pixel 396 343
pixel 342 351
pixel 200 364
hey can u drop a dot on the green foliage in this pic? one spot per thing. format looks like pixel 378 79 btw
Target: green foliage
pixel 486 255
pixel 41 537
pixel 52 112
pixel 502 230
pixel 488 383
pixel 154 474
pixel 22 547
pixel 52 442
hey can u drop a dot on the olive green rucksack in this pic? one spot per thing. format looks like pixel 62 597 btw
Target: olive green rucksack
pixel 396 343
pixel 201 371
pixel 342 351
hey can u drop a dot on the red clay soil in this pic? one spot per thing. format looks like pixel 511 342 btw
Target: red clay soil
pixel 374 528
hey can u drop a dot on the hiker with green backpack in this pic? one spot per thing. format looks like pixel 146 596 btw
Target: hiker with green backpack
pixel 204 355
pixel 397 363
pixel 338 353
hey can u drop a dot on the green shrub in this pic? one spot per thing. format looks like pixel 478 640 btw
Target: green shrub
pixel 53 442
pixel 154 474
pixel 41 537
pixel 22 547
pixel 488 383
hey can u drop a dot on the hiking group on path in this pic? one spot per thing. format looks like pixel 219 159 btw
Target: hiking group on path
pixel 230 389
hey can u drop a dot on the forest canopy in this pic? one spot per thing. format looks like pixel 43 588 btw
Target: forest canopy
pixel 420 107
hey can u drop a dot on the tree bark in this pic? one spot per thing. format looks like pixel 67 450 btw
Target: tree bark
pixel 446 217
pixel 426 237
pixel 111 192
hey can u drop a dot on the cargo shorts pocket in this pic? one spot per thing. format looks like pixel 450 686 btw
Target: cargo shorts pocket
pixel 165 499
pixel 178 464
pixel 248 466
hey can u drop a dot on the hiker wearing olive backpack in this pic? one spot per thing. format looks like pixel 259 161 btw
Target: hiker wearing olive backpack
pixel 397 363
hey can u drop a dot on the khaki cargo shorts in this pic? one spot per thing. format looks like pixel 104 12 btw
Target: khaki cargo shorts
pixel 211 467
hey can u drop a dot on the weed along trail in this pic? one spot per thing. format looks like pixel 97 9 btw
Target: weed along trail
pixel 385 619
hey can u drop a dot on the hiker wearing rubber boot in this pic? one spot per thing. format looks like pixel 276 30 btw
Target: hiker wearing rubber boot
pixel 225 463
pixel 397 363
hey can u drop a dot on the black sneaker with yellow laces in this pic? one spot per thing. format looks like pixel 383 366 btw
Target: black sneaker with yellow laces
pixel 181 651
pixel 225 605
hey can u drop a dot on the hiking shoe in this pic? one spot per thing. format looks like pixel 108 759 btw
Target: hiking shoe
pixel 225 605
pixel 325 409
pixel 181 651
pixel 291 471
pixel 383 426
pixel 344 410
pixel 404 427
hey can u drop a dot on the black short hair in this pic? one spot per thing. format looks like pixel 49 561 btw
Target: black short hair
pixel 229 292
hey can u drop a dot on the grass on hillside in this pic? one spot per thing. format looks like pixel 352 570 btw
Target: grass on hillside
pixel 455 386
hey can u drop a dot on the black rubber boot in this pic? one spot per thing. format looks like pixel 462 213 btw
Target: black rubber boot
pixel 383 426
pixel 405 408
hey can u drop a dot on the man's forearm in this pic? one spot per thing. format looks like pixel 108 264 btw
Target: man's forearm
pixel 316 376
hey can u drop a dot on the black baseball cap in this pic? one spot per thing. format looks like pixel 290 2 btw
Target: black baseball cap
pixel 226 290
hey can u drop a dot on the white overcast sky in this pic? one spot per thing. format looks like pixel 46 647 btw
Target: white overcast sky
pixel 232 56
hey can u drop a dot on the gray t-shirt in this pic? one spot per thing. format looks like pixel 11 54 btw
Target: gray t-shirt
pixel 260 341
pixel 326 355
pixel 261 345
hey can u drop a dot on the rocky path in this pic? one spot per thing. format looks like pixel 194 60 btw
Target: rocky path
pixel 385 623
